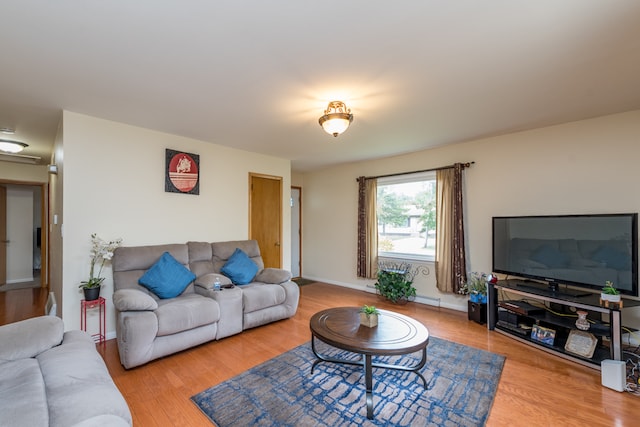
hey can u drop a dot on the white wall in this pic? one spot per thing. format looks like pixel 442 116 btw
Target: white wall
pixel 19 233
pixel 114 186
pixel 588 166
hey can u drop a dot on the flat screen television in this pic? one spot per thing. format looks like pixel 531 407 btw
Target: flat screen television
pixel 583 251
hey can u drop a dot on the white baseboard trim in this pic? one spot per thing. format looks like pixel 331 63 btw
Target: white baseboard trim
pixel 421 299
pixel 26 279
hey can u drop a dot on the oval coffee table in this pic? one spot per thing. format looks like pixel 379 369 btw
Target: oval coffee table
pixel 395 334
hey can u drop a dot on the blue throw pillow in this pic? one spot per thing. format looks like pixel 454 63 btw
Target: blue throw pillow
pixel 167 278
pixel 240 268
pixel 612 258
pixel 550 256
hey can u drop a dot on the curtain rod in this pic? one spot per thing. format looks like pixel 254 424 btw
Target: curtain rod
pixel 464 165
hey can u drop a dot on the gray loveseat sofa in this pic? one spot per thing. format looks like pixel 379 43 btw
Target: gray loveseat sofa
pixel 49 377
pixel 149 327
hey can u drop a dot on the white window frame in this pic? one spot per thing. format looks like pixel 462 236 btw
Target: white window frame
pixel 402 179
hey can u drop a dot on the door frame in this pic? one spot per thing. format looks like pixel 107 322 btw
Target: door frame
pixel 299 228
pixel 44 225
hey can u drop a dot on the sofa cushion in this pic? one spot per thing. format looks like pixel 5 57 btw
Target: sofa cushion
pixel 133 300
pixel 239 268
pixel 78 384
pixel 30 337
pixel 257 296
pixel 222 251
pixel 167 278
pixel 273 275
pixel 186 312
pixel 23 399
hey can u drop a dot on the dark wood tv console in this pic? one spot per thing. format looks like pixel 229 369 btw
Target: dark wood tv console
pixel 516 307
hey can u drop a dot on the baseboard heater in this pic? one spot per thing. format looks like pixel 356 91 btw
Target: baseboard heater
pixel 434 301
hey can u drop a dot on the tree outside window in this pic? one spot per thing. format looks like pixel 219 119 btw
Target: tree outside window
pixel 406 212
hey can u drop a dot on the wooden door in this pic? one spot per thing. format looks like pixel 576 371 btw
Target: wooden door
pixel 3 235
pixel 265 217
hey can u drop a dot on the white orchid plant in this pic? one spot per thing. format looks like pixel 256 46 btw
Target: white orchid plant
pixel 101 252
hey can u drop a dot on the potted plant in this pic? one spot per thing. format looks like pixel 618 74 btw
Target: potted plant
pixel 395 282
pixel 475 287
pixel 369 316
pixel 610 293
pixel 101 252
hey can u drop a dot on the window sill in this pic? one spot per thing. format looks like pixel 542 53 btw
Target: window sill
pixel 407 257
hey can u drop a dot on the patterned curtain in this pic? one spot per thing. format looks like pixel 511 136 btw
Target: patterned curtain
pixel 450 253
pixel 367 228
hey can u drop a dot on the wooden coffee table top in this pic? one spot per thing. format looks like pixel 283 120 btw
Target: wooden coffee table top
pixel 395 333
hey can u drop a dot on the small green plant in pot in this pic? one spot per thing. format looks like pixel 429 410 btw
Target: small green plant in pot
pixel 369 316
pixel 395 282
pixel 475 287
pixel 609 292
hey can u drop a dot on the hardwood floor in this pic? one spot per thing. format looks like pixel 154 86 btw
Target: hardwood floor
pixel 536 388
pixel 20 304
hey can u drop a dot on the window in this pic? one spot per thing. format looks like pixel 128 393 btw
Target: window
pixel 406 210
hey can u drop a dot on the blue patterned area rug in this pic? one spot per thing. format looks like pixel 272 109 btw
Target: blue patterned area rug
pixel 462 383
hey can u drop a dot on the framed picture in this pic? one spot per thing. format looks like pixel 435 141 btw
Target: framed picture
pixel 543 335
pixel 182 172
pixel 581 343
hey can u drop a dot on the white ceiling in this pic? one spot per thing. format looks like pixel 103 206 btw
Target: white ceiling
pixel 256 75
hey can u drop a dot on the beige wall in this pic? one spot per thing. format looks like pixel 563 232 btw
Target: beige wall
pixel 589 166
pixel 24 173
pixel 114 186
pixel 56 219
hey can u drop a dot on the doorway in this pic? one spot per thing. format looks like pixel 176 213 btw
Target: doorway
pixel 265 217
pixel 296 232
pixel 23 236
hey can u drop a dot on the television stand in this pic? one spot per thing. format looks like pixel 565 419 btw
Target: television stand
pixel 553 315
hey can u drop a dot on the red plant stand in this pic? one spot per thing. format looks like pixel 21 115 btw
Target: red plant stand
pixel 100 304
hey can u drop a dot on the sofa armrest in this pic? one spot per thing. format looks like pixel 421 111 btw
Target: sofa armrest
pixel 30 337
pixel 206 281
pixel 273 275
pixel 133 300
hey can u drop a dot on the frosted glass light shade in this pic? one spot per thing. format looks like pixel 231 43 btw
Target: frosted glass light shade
pixel 11 146
pixel 335 126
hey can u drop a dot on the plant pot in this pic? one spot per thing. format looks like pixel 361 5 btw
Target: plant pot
pixel 368 320
pixel 91 294
pixel 610 298
pixel 477 312
pixel 478 298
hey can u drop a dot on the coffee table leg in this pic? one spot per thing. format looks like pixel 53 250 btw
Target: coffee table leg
pixel 368 379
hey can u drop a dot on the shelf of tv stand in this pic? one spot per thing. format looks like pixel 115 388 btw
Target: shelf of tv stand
pixel 609 334
pixel 601 353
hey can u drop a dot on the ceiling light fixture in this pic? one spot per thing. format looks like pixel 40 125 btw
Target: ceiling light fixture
pixel 9 146
pixel 336 119
pixel 8 131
